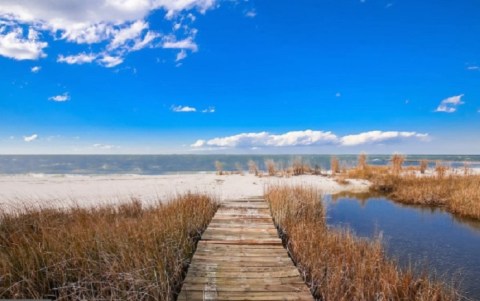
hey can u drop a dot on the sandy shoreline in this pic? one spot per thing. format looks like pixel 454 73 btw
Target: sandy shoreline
pixel 84 190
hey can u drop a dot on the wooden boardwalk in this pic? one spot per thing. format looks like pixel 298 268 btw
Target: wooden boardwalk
pixel 241 257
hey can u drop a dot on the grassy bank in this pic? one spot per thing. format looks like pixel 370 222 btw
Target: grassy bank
pixel 336 264
pixel 459 194
pixel 124 252
pixel 458 191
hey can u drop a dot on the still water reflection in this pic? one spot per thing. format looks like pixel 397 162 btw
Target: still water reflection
pixel 426 238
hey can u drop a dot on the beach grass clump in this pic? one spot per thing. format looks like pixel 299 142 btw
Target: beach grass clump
pixel 253 168
pixel 397 163
pixel 299 167
pixel 336 264
pixel 271 167
pixel 334 165
pixel 124 252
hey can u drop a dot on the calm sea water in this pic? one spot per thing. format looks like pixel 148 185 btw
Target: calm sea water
pixel 164 164
pixel 425 238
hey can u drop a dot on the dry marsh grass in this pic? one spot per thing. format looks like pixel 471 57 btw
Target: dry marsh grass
pixel 458 194
pixel 336 264
pixel 125 252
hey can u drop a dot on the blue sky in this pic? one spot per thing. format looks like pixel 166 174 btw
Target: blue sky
pixel 202 76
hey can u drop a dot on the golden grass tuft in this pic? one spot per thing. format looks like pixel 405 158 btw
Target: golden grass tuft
pixel 252 167
pixel 397 163
pixel 334 165
pixel 271 167
pixel 423 166
pixel 125 252
pixel 336 264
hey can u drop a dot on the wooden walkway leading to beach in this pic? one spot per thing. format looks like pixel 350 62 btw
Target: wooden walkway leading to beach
pixel 241 257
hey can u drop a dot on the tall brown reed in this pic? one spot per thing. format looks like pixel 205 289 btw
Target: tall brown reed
pixel 252 167
pixel 336 264
pixel 423 166
pixel 125 252
pixel 334 165
pixel 397 163
pixel 271 167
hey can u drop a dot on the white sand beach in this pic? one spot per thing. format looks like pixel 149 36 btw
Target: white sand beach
pixel 89 190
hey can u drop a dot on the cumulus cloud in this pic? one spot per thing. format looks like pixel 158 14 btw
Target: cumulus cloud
pixel 35 69
pixel 183 109
pixel 305 138
pixel 379 137
pixel 449 105
pixel 30 138
pixel 60 98
pixel 263 139
pixel 119 24
pixel 15 45
pixel 78 59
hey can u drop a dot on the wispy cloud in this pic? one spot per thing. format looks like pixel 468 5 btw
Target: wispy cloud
pixel 81 58
pixel 209 110
pixel 306 138
pixel 170 42
pixel 104 146
pixel 30 138
pixel 449 105
pixel 183 109
pixel 116 27
pixel 35 69
pixel 60 98
pixel 473 68
pixel 110 61
pixel 182 54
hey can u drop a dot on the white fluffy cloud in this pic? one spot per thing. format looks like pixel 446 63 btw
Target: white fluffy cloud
pixel 30 138
pixel 379 137
pixel 183 109
pixel 305 138
pixel 449 105
pixel 60 98
pixel 15 45
pixel 120 24
pixel 262 139
pixel 35 69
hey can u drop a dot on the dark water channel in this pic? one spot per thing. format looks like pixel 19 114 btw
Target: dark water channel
pixel 425 238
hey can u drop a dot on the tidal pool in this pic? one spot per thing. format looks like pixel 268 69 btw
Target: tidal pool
pixel 425 238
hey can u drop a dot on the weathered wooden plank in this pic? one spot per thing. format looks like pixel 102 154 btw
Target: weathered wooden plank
pixel 210 294
pixel 241 257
